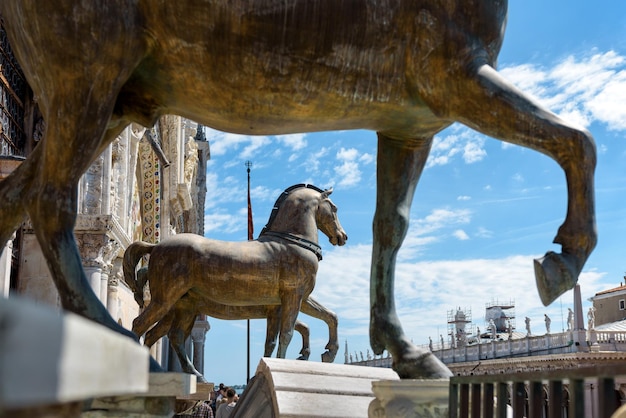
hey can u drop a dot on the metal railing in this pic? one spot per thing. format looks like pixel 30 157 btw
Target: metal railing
pixel 13 89
pixel 574 393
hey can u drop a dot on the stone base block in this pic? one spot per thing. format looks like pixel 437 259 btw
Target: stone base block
pixel 293 388
pixel 158 402
pixel 202 393
pixel 410 398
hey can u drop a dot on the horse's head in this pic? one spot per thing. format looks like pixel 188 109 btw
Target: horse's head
pixel 327 220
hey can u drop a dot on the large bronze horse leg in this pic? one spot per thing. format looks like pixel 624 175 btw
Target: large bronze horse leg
pixel 399 166
pixel 508 114
pixel 77 102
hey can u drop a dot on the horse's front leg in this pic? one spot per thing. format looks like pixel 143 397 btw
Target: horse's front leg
pixel 315 309
pixel 399 166
pixel 492 105
pixel 271 334
pixel 52 202
pixel 290 306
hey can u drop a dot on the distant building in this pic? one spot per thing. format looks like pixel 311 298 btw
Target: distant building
pixel 610 305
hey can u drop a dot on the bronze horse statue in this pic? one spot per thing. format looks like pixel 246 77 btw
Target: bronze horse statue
pixel 271 277
pixel 404 68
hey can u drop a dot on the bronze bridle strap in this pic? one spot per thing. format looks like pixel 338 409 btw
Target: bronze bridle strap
pixel 301 242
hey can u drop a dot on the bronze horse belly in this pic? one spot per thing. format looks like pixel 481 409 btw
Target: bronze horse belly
pixel 403 68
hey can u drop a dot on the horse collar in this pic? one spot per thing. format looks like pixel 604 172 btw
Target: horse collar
pixel 300 242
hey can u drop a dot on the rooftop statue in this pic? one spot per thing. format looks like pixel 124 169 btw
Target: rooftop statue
pixel 405 69
pixel 271 277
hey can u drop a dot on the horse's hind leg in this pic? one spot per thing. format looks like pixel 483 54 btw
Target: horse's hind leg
pixel 160 305
pixel 506 113
pixel 399 166
pixel 315 309
pixel 160 329
pixel 180 330
pixel 305 333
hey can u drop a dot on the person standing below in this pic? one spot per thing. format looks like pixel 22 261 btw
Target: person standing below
pixel 225 410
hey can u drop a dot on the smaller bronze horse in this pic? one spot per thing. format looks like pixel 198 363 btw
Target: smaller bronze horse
pixel 275 274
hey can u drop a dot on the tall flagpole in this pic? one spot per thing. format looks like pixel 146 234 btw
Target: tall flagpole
pixel 250 238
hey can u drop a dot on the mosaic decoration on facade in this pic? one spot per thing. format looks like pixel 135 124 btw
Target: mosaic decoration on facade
pixel 150 193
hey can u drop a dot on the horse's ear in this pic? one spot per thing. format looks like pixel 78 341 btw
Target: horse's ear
pixel 327 193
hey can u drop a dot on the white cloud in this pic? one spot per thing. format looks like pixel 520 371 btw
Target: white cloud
pixel 312 164
pixel 366 158
pixel 255 143
pixel 349 171
pixel 463 198
pixel 349 174
pixel 461 235
pixel 294 141
pixel 426 290
pixel 462 142
pixel 350 154
pixel 518 177
pixel 224 222
pixel 483 232
pixel 582 90
pixel 223 142
pixel 431 229
pixel 473 151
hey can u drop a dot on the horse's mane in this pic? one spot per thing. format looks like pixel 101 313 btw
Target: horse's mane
pixel 282 198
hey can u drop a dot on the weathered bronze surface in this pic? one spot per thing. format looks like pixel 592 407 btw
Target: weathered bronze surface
pixel 271 277
pixel 403 68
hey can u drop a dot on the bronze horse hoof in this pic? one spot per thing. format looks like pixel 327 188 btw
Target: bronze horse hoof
pixel 423 365
pixel 555 275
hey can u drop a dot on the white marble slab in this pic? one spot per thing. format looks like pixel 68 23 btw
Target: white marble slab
pixel 292 388
pixel 47 357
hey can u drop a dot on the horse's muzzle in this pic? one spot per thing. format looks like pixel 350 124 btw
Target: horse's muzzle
pixel 339 239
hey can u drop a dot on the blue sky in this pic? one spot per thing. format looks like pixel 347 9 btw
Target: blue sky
pixel 482 211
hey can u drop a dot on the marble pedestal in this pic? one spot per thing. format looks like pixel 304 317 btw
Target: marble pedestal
pixel 158 402
pixel 294 388
pixel 411 398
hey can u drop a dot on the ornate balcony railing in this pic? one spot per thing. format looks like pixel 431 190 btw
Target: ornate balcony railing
pixel 573 393
pixel 13 90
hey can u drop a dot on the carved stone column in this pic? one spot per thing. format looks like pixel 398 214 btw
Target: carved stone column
pixel 113 300
pixel 5 268
pixel 98 248
pixel 198 336
pixel 91 246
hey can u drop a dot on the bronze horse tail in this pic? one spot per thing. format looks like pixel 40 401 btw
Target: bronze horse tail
pixel 136 281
